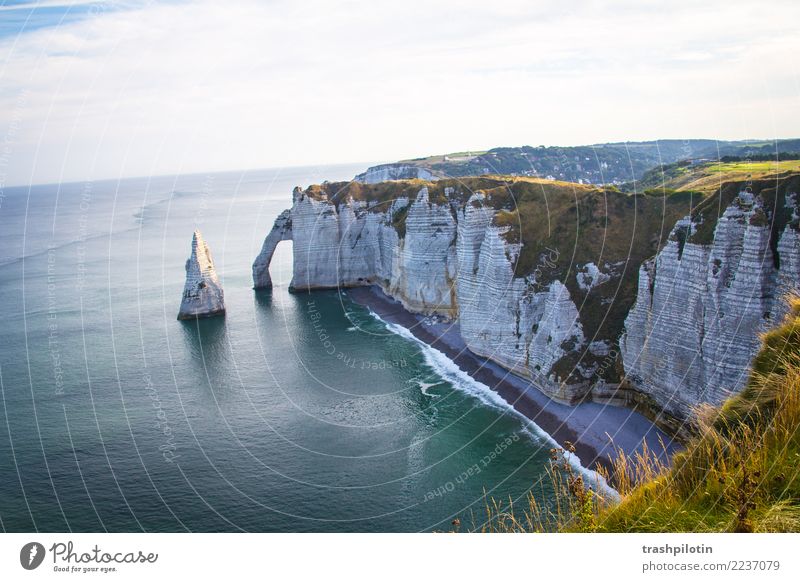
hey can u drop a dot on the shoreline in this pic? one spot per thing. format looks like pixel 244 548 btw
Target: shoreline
pixel 596 430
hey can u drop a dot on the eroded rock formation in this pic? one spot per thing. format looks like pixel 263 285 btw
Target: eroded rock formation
pixel 576 327
pixel 693 332
pixel 385 172
pixel 436 258
pixel 202 293
pixel 281 230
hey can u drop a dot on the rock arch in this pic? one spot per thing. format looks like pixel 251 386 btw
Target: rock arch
pixel 281 230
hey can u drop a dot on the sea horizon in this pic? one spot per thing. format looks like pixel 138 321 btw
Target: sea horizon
pixel 63 280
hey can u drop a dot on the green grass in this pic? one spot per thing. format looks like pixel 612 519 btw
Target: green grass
pixel 763 167
pixel 740 473
pixel 709 177
pixel 440 158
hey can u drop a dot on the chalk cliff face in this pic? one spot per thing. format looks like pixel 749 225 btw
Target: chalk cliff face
pixel 202 293
pixel 688 338
pixel 351 245
pixel 281 230
pixel 387 172
pixel 503 317
pixel 435 258
pixel 693 332
pixel 788 249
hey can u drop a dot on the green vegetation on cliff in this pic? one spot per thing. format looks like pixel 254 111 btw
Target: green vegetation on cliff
pixel 740 473
pixel 607 163
pixel 708 176
pixel 771 189
pixel 562 226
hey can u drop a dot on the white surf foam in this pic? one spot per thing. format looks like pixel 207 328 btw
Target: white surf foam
pixel 449 370
pixel 424 387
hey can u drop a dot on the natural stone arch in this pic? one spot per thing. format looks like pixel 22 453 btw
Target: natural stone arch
pixel 281 230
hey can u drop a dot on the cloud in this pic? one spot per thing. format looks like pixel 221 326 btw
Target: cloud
pixel 199 86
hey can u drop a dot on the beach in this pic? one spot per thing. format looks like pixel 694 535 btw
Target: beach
pixel 597 431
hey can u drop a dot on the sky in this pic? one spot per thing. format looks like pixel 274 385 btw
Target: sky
pixel 93 90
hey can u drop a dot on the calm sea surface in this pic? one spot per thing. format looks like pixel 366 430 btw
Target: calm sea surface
pixel 114 416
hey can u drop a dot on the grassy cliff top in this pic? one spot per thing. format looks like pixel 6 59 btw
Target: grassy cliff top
pixel 738 474
pixel 562 226
pixel 606 163
pixel 708 177
pixel 741 472
pixel 501 190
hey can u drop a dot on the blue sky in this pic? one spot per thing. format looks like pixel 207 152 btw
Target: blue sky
pixel 21 16
pixel 125 88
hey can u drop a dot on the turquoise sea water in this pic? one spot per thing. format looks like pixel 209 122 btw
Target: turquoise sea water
pixel 293 413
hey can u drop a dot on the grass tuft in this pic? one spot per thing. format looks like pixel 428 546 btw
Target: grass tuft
pixel 741 473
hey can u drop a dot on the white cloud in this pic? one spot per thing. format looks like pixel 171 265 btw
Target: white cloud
pixel 211 85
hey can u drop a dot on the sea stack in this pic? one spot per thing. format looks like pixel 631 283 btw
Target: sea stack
pixel 202 294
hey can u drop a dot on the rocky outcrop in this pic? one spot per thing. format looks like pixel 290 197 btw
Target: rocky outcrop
pixel 503 317
pixel 693 332
pixel 690 327
pixel 788 250
pixel 350 244
pixel 202 293
pixel 425 277
pixel 281 230
pixel 437 258
pixel 386 172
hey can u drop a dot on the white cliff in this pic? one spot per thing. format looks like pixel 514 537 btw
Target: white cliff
pixel 315 232
pixel 386 172
pixel 693 332
pixel 425 281
pixel 281 230
pixel 445 259
pixel 505 318
pixel 202 293
pixel 689 337
pixel 789 257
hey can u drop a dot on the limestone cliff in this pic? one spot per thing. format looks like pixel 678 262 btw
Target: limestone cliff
pixel 202 293
pixel 505 318
pixel 281 230
pixel 693 331
pixel 385 172
pixel 554 281
pixel 442 253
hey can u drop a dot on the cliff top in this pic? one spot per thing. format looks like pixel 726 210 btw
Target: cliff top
pixel 709 176
pixel 500 190
pixel 570 231
pixel 605 163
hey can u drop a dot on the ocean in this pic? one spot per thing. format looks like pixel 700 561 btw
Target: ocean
pixel 295 412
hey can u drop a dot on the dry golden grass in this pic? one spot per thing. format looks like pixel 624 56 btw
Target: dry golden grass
pixel 740 474
pixel 708 178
